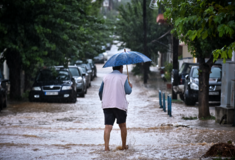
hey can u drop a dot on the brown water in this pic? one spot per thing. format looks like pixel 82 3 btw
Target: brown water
pixel 75 131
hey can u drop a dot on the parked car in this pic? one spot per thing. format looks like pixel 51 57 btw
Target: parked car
pixel 191 85
pixel 86 76
pixel 80 83
pixel 88 71
pixel 100 58
pixel 3 91
pixel 93 66
pixel 108 46
pixel 178 78
pixel 53 84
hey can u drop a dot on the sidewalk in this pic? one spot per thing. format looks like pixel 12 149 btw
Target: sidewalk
pixel 155 83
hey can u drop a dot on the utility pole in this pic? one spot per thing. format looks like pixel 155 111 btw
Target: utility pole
pixel 175 44
pixel 110 5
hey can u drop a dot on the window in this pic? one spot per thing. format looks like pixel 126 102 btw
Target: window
pixel 74 71
pixel 215 72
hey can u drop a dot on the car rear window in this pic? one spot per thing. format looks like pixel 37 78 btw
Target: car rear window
pixel 74 71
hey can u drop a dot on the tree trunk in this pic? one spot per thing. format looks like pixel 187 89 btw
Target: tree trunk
pixel 14 63
pixel 203 94
pixel 146 65
pixel 27 82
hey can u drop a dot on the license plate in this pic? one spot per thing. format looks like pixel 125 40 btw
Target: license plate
pixel 213 93
pixel 51 93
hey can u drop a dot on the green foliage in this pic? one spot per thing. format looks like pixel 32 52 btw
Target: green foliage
pixel 136 70
pixel 130 29
pixel 168 69
pixel 46 33
pixel 206 26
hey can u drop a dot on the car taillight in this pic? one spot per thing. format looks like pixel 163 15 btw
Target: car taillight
pixel 181 81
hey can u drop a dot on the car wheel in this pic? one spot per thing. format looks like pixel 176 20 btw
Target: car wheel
pixel 82 94
pixel 85 90
pixel 73 98
pixel 182 97
pixel 187 100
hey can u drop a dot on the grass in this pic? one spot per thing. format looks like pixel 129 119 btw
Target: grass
pixel 177 101
pixel 207 118
pixel 189 118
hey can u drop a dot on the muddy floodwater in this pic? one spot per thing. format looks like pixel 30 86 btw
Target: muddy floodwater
pixel 75 131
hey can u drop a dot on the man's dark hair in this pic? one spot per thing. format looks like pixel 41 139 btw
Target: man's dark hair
pixel 117 67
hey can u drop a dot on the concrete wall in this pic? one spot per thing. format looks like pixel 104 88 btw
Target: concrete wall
pixel 220 112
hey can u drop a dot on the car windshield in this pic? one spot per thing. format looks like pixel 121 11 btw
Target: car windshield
pixel 89 66
pixel 83 69
pixel 185 68
pixel 215 72
pixel 86 66
pixel 182 68
pixel 74 71
pixel 195 73
pixel 51 75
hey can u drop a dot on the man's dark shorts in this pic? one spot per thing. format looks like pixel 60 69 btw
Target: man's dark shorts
pixel 110 114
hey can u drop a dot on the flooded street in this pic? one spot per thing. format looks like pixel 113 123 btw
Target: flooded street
pixel 75 131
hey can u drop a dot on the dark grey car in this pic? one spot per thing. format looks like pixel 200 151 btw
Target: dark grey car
pixel 178 78
pixel 77 75
pixel 86 76
pixel 93 67
pixel 87 68
pixel 191 86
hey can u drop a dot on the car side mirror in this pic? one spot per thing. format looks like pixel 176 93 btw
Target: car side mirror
pixel 72 79
pixel 186 77
pixel 84 74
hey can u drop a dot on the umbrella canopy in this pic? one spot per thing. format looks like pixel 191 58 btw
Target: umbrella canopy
pixel 124 58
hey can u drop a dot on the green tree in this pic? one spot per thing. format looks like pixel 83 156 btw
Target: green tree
pixel 130 29
pixel 207 26
pixel 40 32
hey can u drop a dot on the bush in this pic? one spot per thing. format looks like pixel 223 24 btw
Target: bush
pixel 168 69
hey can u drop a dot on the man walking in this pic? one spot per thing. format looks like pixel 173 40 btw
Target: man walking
pixel 113 92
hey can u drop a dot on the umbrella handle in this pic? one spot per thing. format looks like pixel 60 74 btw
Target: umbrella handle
pixel 127 74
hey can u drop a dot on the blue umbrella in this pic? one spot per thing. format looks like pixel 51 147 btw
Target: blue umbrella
pixel 125 58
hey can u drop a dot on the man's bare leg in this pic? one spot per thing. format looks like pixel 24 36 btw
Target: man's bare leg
pixel 123 135
pixel 107 131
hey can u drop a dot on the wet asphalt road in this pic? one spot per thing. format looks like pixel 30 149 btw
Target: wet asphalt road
pixel 75 131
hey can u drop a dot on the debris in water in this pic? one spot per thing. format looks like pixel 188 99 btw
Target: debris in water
pixel 221 150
